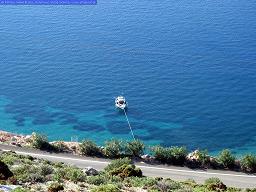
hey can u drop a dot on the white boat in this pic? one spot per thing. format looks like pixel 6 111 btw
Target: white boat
pixel 120 102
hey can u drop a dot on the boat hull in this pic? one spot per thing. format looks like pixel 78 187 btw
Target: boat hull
pixel 121 106
pixel 120 102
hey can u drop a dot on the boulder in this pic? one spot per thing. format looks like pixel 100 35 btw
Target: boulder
pixel 147 158
pixel 5 172
pixel 193 156
pixel 90 171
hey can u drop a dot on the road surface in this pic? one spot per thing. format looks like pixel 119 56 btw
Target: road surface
pixel 230 178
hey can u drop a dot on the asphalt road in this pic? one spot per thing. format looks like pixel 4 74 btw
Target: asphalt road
pixel 230 178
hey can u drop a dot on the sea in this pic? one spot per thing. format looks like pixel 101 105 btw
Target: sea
pixel 186 68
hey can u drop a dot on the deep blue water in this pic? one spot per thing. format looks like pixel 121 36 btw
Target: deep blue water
pixel 187 69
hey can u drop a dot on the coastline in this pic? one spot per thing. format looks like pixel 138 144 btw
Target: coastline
pixel 21 140
pixel 194 160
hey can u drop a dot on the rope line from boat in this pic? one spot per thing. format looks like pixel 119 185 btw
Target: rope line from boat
pixel 129 124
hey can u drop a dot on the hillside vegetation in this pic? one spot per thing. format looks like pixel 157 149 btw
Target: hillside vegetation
pixel 29 174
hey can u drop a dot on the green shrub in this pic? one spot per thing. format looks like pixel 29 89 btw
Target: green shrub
pixel 203 157
pixel 226 158
pixel 159 153
pixel 46 169
pixel 106 188
pixel 173 185
pixel 170 155
pixel 190 182
pixel 117 163
pixel 60 146
pixel 69 173
pixel 39 141
pixel 36 178
pixel 126 171
pixel 123 168
pixel 145 182
pixel 167 185
pixel 212 180
pixel 97 180
pixel 75 174
pixel 59 174
pixel 22 172
pixel 215 184
pixel 248 163
pixel 135 148
pixel 178 155
pixel 9 158
pixel 89 148
pixel 28 173
pixel 55 187
pixel 113 148
pixel 57 164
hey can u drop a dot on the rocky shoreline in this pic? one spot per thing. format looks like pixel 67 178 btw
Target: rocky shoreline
pixel 113 149
pixel 20 140
pixel 68 147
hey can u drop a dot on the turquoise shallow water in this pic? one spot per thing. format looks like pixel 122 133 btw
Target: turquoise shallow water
pixel 188 70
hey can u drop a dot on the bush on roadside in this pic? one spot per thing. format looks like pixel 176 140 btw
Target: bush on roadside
pixel 159 153
pixel 178 155
pixel 203 157
pixel 60 146
pixel 39 141
pixel 113 148
pixel 248 163
pixel 89 148
pixel 215 164
pixel 134 148
pixel 215 184
pixel 117 163
pixel 170 155
pixel 97 180
pixel 123 168
pixel 126 171
pixel 226 159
